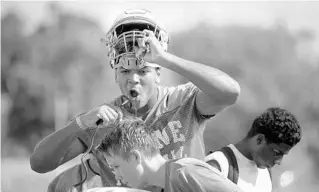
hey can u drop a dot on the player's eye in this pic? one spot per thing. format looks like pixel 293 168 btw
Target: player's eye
pixel 125 71
pixel 277 152
pixel 143 72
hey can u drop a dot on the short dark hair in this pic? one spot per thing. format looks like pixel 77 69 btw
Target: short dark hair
pixel 127 135
pixel 278 125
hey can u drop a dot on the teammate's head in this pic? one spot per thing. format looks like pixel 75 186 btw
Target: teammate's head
pixel 273 134
pixel 127 148
pixel 136 78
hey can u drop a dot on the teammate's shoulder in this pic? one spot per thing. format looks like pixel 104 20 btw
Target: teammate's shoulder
pixel 188 161
pixel 180 92
pixel 191 166
pixel 186 86
pixel 163 89
pixel 179 87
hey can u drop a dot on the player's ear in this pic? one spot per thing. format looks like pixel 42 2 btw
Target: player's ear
pixel 260 139
pixel 158 74
pixel 137 156
pixel 115 75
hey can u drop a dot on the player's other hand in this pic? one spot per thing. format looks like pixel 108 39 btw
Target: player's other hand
pixel 107 113
pixel 155 51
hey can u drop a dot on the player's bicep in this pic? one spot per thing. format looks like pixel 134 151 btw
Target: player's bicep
pixel 74 149
pixel 208 106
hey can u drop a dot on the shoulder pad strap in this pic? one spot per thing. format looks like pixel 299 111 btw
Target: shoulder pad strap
pixel 233 166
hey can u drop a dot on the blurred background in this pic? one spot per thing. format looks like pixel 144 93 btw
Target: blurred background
pixel 53 66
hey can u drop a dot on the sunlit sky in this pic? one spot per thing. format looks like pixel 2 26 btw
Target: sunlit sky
pixel 179 15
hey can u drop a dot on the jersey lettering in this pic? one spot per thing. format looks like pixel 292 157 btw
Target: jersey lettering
pixel 171 140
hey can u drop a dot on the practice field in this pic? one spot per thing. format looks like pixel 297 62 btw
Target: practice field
pixel 17 176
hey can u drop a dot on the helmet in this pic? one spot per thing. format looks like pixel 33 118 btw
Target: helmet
pixel 124 38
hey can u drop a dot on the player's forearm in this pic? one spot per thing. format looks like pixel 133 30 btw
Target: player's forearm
pixel 211 81
pixel 57 148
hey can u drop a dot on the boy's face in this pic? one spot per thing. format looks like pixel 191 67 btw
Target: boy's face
pixel 130 172
pixel 268 155
pixel 138 84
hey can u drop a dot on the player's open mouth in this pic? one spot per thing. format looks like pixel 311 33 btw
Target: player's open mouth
pixel 133 93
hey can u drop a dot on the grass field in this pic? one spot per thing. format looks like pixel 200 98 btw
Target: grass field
pixel 17 176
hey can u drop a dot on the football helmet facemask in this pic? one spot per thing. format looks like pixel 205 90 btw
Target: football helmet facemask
pixel 125 39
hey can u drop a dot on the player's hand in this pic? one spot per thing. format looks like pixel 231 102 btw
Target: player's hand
pixel 154 48
pixel 107 113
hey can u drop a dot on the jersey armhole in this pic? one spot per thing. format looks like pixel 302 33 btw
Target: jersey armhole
pixel 233 172
pixel 222 160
